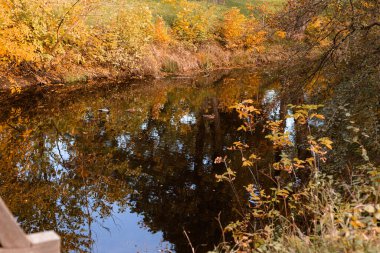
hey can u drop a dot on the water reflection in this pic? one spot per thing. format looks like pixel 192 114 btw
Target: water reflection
pixel 126 235
pixel 139 170
pixel 76 163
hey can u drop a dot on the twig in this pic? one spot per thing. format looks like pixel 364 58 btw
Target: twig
pixel 188 239
pixel 63 19
pixel 13 127
pixel 221 227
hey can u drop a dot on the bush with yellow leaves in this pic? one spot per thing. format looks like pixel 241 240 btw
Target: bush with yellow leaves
pixel 161 34
pixel 255 35
pixel 237 31
pixel 194 23
pixel 25 34
pixel 232 28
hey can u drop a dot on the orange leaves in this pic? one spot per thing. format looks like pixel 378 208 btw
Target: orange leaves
pixel 303 113
pixel 15 89
pixel 318 147
pixel 357 224
pixel 237 31
pixel 232 28
pixel 282 193
pixel 250 161
pixel 365 217
pixel 284 164
pixel 280 34
pixel 134 28
pixel 278 137
pixel 15 44
pixel 247 112
pixel 255 35
pixel 316 27
pixel 117 34
pixel 24 31
pixel 161 34
pixel 290 166
pixel 247 163
pixel 318 116
pixel 218 160
pixel 26 134
pixel 228 176
pixel 237 145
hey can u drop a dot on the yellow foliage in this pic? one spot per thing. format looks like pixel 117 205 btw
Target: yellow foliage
pixel 193 23
pixel 254 36
pixel 169 1
pixel 280 34
pixel 16 37
pixel 36 31
pixel 232 28
pixel 15 44
pixel 237 31
pixel 122 41
pixel 161 34
pixel 256 40
pixel 49 35
pixel 316 28
pixel 134 28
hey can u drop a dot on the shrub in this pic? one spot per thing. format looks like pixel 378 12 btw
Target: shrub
pixel 254 36
pixel 193 23
pixel 24 31
pixel 161 34
pixel 232 28
pixel 170 66
pixel 121 42
pixel 134 28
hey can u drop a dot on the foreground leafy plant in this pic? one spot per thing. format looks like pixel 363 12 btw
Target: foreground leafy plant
pixel 307 210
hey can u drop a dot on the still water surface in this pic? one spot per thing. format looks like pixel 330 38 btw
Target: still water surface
pixel 129 167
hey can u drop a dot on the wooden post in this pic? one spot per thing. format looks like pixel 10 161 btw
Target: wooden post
pixel 14 240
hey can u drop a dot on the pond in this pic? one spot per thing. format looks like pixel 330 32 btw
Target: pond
pixel 130 167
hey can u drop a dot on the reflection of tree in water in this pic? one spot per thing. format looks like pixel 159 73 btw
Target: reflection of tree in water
pixel 62 174
pixel 65 168
pixel 55 181
pixel 177 189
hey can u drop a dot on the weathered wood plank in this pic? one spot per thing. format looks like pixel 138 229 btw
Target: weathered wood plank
pixel 11 235
pixel 14 240
pixel 44 242
pixel 44 238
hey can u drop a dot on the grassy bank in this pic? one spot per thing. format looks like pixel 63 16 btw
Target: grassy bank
pixel 75 41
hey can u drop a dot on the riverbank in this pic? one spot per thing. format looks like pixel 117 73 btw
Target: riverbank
pixel 42 43
pixel 33 94
pixel 157 63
